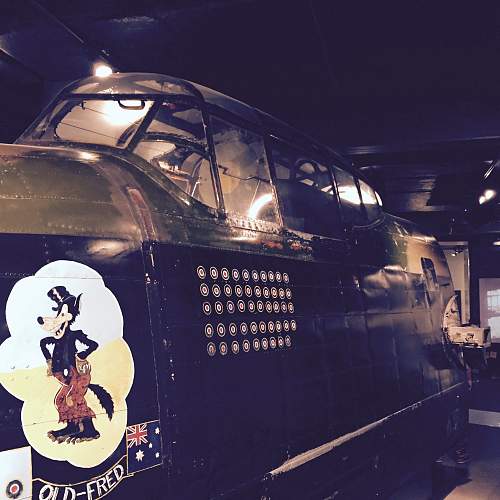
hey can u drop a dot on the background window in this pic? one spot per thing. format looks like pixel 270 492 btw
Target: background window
pixel 307 196
pixel 243 171
pixel 349 198
pixel 370 202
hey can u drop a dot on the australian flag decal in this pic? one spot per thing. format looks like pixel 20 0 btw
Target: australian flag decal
pixel 143 446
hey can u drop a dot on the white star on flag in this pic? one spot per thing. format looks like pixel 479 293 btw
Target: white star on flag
pixel 157 430
pixel 139 456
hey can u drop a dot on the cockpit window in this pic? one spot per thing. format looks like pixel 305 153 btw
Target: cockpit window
pixel 175 144
pixel 349 197
pixel 306 194
pixel 93 121
pixel 180 119
pixel 243 171
pixel 369 197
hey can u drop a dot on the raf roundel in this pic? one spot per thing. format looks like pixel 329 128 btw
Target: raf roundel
pixel 214 274
pixel 14 489
pixel 202 274
pixel 209 330
pixel 221 330
pixel 211 349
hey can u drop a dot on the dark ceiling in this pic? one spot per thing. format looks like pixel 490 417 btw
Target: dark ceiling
pixel 409 89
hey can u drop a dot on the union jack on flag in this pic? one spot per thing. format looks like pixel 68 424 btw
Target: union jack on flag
pixel 137 435
pixel 144 446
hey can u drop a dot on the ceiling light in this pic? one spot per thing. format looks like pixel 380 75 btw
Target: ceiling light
pixel 496 243
pixel 102 70
pixel 487 196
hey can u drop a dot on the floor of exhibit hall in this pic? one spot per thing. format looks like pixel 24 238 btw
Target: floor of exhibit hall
pixel 480 479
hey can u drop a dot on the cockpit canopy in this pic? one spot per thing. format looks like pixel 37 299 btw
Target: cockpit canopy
pixel 160 119
pixel 210 146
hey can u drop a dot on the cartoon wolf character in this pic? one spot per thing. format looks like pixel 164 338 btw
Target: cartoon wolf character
pixel 69 365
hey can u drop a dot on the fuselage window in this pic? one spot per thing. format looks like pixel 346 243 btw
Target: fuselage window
pixel 370 202
pixel 430 275
pixel 175 144
pixel 243 171
pixel 307 196
pixel 350 199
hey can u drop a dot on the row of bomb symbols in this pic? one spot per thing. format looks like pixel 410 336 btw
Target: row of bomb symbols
pixel 244 275
pixel 248 344
pixel 247 290
pixel 250 306
pixel 254 327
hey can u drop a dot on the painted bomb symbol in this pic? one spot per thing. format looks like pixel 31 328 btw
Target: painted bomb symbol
pixel 66 352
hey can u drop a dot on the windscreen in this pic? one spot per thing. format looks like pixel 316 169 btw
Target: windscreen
pixel 93 121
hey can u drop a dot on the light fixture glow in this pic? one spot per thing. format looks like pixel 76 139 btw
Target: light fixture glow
pixel 349 194
pixel 258 204
pixel 487 196
pixel 496 243
pixel 102 70
pixel 121 115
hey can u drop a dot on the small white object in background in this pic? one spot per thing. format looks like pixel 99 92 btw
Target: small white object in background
pixel 15 473
pixel 470 335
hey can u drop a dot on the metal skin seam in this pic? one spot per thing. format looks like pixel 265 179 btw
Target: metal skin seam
pixel 321 450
